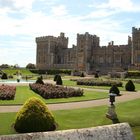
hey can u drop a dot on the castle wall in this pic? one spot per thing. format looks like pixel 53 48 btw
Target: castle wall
pixel 87 55
pixel 136 46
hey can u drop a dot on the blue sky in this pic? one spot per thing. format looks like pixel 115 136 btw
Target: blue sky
pixel 23 20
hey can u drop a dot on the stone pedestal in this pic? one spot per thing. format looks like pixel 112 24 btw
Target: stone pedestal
pixel 111 114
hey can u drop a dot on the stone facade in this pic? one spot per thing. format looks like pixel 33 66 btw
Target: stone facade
pixel 87 55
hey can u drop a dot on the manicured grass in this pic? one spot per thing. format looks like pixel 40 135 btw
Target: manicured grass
pixel 23 93
pixel 73 83
pixel 136 132
pixel 12 71
pixel 88 117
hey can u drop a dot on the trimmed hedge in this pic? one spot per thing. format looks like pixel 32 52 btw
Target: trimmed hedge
pixel 7 92
pixel 39 81
pixel 89 82
pixel 4 76
pixel 114 89
pixel 130 86
pixel 134 74
pixel 59 80
pixel 34 116
pixel 48 91
pixel 55 77
pixel 52 72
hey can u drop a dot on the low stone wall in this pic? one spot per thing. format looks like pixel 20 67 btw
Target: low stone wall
pixel 120 131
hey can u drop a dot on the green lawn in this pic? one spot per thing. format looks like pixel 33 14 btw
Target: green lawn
pixel 73 83
pixel 82 118
pixel 23 93
pixel 12 71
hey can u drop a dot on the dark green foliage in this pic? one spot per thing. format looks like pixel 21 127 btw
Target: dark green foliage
pixel 34 116
pixel 55 77
pixel 114 89
pixel 96 75
pixel 82 74
pixel 133 74
pixel 30 66
pixel 130 86
pixel 59 80
pixel 4 76
pixel 51 72
pixel 60 71
pixel 94 82
pixel 39 80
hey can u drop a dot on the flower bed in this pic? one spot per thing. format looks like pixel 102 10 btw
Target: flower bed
pixel 98 83
pixel 48 91
pixel 7 92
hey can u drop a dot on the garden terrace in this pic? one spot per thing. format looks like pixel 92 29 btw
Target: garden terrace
pixel 93 82
pixel 7 92
pixel 49 91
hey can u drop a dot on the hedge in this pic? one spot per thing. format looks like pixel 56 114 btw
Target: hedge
pixel 7 92
pixel 88 82
pixel 48 91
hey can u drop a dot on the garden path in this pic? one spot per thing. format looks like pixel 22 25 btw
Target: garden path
pixel 126 96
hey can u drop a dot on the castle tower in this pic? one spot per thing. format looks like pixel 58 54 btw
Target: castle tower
pixel 135 46
pixel 85 47
pixel 50 51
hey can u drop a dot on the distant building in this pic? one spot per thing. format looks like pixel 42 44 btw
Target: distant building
pixel 87 55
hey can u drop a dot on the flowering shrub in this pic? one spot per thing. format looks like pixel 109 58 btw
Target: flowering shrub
pixel 89 82
pixel 48 91
pixel 7 92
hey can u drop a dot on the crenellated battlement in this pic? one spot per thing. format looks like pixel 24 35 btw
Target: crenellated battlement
pixel 87 55
pixel 135 29
pixel 45 38
pixel 52 38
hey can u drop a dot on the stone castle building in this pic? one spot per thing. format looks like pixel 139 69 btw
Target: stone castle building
pixel 87 55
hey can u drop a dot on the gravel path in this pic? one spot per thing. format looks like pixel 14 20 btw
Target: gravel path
pixel 83 104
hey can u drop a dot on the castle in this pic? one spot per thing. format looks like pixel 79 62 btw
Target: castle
pixel 87 55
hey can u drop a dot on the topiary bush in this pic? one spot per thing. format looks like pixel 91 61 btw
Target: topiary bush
pixel 39 81
pixel 55 77
pixel 114 89
pixel 130 86
pixel 96 75
pixel 59 80
pixel 4 76
pixel 34 116
pixel 82 75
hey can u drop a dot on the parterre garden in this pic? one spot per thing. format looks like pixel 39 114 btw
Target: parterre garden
pixel 49 93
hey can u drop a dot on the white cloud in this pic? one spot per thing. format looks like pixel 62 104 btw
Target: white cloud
pixel 59 10
pixel 37 23
pixel 101 13
pixel 120 5
pixel 16 4
pixel 23 3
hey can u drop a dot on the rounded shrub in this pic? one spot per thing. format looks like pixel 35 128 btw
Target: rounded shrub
pixel 130 86
pixel 59 80
pixel 96 75
pixel 39 81
pixel 114 89
pixel 34 116
pixel 4 76
pixel 82 75
pixel 55 77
